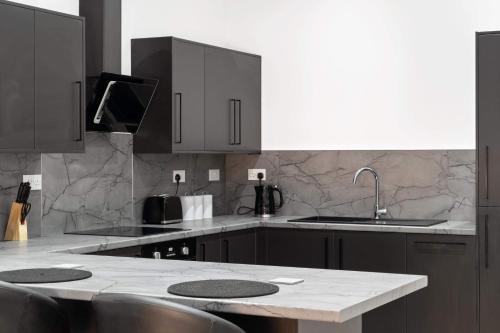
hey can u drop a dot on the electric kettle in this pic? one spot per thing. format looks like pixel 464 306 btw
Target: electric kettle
pixel 265 206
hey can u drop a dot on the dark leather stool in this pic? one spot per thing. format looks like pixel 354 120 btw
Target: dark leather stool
pixel 23 310
pixel 137 314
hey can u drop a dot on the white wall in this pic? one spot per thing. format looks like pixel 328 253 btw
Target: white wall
pixel 64 6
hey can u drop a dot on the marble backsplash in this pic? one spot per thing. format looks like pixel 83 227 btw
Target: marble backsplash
pixel 414 184
pixel 88 190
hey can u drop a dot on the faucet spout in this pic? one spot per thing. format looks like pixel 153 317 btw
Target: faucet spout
pixel 378 212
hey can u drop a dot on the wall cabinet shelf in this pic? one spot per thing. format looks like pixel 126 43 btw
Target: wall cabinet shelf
pixel 208 98
pixel 42 80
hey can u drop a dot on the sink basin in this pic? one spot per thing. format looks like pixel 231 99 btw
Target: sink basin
pixel 368 221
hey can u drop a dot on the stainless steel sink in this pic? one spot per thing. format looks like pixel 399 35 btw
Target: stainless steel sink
pixel 368 221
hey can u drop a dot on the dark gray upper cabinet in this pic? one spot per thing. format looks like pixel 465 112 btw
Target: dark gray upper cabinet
pixel 375 252
pixel 41 80
pixel 208 98
pixel 174 120
pixel 488 118
pixel 17 117
pixel 59 83
pixel 448 304
pixel 489 269
pixel 232 102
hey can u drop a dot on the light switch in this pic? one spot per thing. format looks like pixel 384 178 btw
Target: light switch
pixel 213 175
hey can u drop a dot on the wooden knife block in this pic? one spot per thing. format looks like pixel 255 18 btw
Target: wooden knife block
pixel 15 230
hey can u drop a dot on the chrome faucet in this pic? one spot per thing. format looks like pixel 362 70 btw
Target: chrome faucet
pixel 378 211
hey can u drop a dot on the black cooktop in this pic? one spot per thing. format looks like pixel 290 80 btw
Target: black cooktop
pixel 126 231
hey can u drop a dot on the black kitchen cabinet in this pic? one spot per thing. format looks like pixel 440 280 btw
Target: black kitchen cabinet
pixel 489 269
pixel 208 98
pixel 17 117
pixel 488 116
pixel 59 83
pixel 375 252
pixel 41 80
pixel 208 248
pixel 239 247
pixel 297 248
pixel 174 121
pixel 448 304
pixel 232 101
pixel 131 252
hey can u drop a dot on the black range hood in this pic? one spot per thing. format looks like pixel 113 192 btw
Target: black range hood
pixel 119 103
pixel 115 102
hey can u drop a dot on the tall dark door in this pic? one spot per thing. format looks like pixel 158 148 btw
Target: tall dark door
pixel 375 252
pixel 489 269
pixel 488 118
pixel 188 96
pixel 232 100
pixel 17 115
pixel 59 73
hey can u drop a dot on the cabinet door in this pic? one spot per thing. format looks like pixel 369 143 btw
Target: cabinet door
pixel 188 125
pixel 238 247
pixel 232 101
pixel 59 83
pixel 448 304
pixel 489 269
pixel 488 118
pixel 375 252
pixel 17 113
pixel 208 248
pixel 298 248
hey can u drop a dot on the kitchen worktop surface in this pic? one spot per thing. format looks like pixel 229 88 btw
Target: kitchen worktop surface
pixel 325 295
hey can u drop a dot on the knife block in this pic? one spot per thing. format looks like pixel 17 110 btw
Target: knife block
pixel 15 230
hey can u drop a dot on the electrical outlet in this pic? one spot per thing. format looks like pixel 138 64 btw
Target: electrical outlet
pixel 213 175
pixel 252 174
pixel 34 180
pixel 181 173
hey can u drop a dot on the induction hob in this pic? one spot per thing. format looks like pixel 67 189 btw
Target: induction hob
pixel 126 231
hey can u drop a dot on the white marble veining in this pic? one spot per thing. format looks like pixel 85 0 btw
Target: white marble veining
pixel 326 295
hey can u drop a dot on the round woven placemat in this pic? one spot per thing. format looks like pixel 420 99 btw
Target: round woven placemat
pixel 223 289
pixel 44 275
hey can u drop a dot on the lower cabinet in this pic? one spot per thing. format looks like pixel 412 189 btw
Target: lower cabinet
pixel 448 304
pixel 297 248
pixel 239 247
pixel 489 268
pixel 375 252
pixel 208 248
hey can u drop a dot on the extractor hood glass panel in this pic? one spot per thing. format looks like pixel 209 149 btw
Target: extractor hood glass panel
pixel 120 103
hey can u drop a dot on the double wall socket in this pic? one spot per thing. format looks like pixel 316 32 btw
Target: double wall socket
pixel 181 173
pixel 252 174
pixel 34 180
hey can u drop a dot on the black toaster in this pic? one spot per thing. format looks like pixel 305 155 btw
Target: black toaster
pixel 162 209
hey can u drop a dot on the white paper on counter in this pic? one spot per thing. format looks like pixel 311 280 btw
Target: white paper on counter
pixel 207 206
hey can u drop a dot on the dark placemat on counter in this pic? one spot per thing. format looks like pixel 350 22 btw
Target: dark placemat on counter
pixel 223 289
pixel 44 275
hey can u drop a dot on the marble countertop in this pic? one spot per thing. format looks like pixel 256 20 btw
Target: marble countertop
pixel 325 295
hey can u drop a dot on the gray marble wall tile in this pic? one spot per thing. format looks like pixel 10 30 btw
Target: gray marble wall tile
pixel 91 189
pixel 12 169
pixel 153 175
pixel 420 184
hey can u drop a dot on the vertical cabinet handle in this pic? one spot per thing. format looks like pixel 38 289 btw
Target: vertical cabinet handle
pixel 178 117
pixel 232 121
pixel 237 122
pixel 487 173
pixel 226 250
pixel 327 253
pixel 341 254
pixel 486 241
pixel 77 108
pixel 203 258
